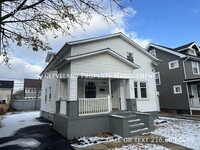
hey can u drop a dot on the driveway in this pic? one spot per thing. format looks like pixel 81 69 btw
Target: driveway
pixel 33 137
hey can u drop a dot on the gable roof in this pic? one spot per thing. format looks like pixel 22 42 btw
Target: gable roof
pixel 106 50
pixel 183 47
pixel 6 84
pixel 166 49
pixel 121 35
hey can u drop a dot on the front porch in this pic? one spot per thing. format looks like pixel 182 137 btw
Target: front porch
pixel 194 95
pixel 98 105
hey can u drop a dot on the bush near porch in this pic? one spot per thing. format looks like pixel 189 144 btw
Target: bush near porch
pixel 4 108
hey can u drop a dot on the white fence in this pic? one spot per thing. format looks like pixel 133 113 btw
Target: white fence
pixel 93 106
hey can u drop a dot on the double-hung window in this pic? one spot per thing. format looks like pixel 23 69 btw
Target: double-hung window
pixel 140 89
pixel 195 67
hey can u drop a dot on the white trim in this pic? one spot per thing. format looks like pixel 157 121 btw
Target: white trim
pixel 195 80
pixel 175 61
pixel 165 49
pixel 158 73
pixel 107 50
pixel 177 86
pixel 194 65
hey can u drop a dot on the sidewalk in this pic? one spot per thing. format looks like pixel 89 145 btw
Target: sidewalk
pixel 148 139
pixel 180 116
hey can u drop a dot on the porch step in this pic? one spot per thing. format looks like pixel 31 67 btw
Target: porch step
pixel 134 121
pixel 136 126
pixel 138 132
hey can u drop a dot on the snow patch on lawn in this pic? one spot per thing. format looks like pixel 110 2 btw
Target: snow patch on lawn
pixel 23 142
pixel 179 131
pixel 142 146
pixel 85 141
pixel 13 122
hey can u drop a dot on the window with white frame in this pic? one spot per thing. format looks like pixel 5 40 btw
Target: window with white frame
pixel 153 52
pixel 192 52
pixel 157 78
pixel 45 95
pixel 130 56
pixel 177 89
pixel 50 93
pixel 173 64
pixel 195 67
pixel 140 89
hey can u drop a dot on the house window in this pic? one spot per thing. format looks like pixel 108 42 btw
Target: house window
pixel 195 67
pixel 177 89
pixel 153 52
pixel 173 64
pixel 49 93
pixel 90 90
pixel 143 89
pixel 140 89
pixel 130 57
pixel 135 89
pixel 45 95
pixel 192 52
pixel 157 78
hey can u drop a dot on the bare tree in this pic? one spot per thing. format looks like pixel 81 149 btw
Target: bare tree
pixel 27 22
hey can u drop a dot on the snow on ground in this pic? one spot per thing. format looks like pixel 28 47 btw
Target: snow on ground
pixel 85 141
pixel 23 142
pixel 179 131
pixel 13 122
pixel 142 146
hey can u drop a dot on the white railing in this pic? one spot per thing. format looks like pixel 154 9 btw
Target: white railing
pixel 94 106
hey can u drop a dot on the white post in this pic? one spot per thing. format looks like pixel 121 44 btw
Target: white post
pixel 73 82
pixel 110 95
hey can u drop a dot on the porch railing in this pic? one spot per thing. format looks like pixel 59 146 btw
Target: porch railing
pixel 94 106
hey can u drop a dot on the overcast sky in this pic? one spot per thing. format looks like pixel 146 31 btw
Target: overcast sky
pixel 167 22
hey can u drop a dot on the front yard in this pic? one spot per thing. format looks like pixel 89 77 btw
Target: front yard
pixel 22 130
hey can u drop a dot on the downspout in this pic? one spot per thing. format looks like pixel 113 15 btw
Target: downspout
pixel 185 76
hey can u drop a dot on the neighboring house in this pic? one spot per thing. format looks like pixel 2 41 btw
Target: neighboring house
pixel 178 77
pixel 32 88
pixel 87 87
pixel 6 91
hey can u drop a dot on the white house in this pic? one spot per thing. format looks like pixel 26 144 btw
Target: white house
pixel 6 91
pixel 89 80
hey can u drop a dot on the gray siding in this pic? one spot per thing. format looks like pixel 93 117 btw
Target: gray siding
pixel 169 78
pixel 189 72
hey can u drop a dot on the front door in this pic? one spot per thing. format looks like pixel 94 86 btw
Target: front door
pixel 115 94
pixel 90 90
pixel 195 99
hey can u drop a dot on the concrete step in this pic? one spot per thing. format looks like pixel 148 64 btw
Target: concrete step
pixel 136 126
pixel 134 121
pixel 138 132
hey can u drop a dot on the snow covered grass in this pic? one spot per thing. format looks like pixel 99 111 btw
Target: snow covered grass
pixel 142 146
pixel 85 141
pixel 13 122
pixel 179 131
pixel 23 142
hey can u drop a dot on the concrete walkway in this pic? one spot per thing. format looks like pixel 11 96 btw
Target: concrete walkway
pixel 150 139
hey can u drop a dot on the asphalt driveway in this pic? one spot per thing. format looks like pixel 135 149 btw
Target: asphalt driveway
pixel 44 134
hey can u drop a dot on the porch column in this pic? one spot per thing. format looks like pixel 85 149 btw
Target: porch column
pixel 72 102
pixel 110 94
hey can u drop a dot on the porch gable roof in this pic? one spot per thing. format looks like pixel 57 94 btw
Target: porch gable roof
pixel 106 50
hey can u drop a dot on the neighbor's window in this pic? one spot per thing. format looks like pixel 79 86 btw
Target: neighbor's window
pixel 192 52
pixel 49 93
pixel 143 89
pixel 177 89
pixel 130 56
pixel 173 64
pixel 153 52
pixel 157 78
pixel 45 95
pixel 135 89
pixel 195 67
